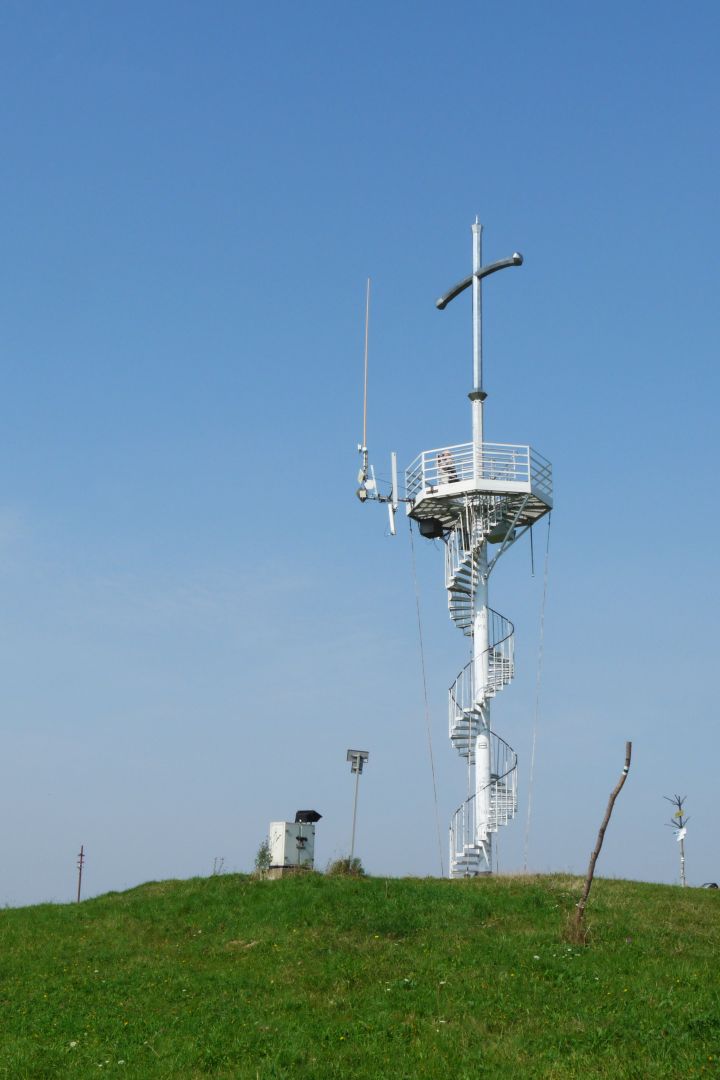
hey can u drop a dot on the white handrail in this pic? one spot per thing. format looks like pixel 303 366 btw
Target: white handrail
pixel 497 462
pixel 503 801
pixel 463 700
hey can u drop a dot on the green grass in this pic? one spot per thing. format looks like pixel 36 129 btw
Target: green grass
pixel 332 977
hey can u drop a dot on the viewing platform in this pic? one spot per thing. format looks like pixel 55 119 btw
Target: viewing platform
pixel 438 481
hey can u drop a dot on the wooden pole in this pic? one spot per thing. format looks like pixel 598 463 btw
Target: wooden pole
pixel 580 912
pixel 81 860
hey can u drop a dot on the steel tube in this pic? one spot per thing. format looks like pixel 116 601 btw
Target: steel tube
pixel 481 655
pixel 477 404
pixel 481 635
pixel 352 842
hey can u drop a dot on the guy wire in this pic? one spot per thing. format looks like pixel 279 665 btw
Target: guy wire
pixel 537 694
pixel 427 706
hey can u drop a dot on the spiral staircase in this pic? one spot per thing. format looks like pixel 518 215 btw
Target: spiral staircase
pixel 479 500
pixel 468 847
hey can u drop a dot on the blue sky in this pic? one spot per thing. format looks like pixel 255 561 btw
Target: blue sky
pixel 198 617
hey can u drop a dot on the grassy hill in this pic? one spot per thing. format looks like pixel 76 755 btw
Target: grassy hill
pixel 335 977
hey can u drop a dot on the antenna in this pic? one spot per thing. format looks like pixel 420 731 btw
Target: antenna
pixel 679 824
pixel 362 447
pixel 368 488
pixel 365 385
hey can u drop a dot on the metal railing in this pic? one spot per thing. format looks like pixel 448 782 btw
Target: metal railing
pixel 460 563
pixel 503 801
pixel 464 696
pixel 498 462
pixel 541 475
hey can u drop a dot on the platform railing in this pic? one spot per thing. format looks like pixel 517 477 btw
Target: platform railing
pixel 502 462
pixel 541 474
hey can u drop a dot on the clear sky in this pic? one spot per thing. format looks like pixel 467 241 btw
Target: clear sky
pixel 198 618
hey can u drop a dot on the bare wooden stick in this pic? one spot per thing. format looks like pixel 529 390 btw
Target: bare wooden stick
pixel 579 914
pixel 80 862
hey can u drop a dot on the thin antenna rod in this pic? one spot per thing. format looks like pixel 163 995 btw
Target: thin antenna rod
pixel 367 328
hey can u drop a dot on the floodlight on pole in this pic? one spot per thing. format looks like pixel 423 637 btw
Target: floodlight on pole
pixel 357 759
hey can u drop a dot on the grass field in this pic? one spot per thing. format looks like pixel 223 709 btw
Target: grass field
pixel 335 977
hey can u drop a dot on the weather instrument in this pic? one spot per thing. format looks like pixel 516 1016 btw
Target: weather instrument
pixel 679 825
pixel 368 487
pixel 478 497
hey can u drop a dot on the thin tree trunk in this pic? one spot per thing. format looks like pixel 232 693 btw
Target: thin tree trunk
pixel 601 836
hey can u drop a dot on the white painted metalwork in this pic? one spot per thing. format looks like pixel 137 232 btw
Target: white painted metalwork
pixel 498 664
pixel 480 497
pixel 490 466
pixel 292 843
pixel 470 848
pixel 357 759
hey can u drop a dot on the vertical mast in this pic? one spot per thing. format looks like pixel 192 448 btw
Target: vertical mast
pixel 480 608
pixel 477 396
pixel 475 494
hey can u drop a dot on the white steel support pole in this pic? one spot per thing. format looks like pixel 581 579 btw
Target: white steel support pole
pixel 481 638
pixel 352 842
pixel 481 655
pixel 477 397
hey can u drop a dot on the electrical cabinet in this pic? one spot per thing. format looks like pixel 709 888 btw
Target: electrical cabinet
pixel 292 843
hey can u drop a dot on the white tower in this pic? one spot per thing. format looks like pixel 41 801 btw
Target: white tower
pixel 479 497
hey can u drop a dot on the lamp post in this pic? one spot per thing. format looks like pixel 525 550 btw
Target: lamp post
pixel 357 759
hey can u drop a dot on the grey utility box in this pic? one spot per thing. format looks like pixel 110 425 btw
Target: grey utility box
pixel 292 843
